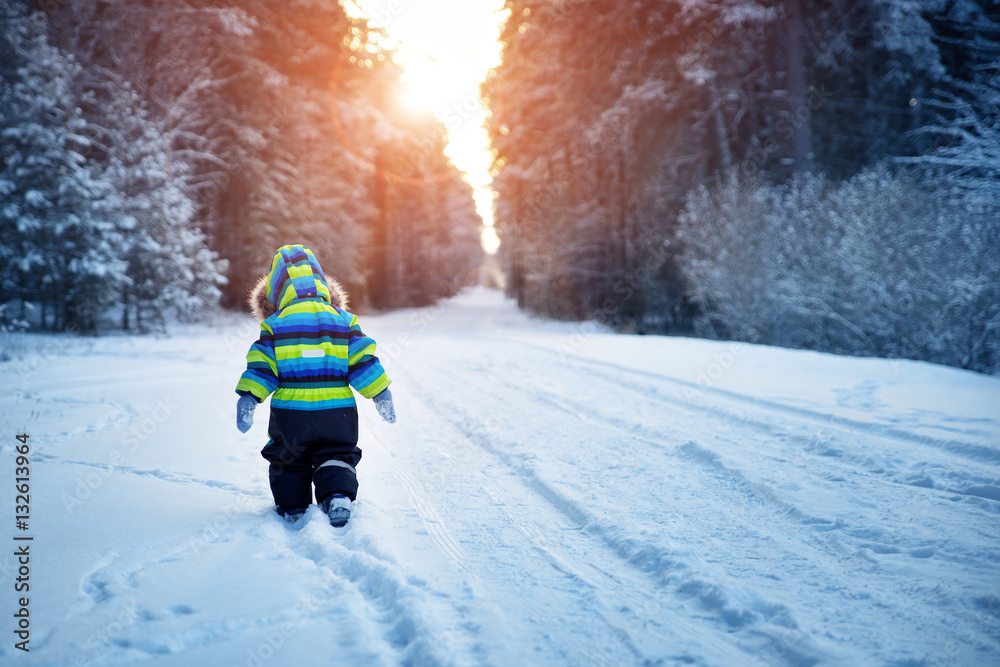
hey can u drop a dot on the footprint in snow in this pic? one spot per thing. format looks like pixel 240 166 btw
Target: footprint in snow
pixel 822 525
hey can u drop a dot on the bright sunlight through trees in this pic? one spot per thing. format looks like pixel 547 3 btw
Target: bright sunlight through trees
pixel 447 47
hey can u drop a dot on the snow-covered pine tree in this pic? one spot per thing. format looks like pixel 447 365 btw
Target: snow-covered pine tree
pixel 169 268
pixel 57 249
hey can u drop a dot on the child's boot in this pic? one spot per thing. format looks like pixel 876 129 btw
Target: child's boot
pixel 338 509
pixel 291 515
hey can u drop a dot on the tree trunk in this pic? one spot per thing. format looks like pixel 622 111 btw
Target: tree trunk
pixel 798 89
pixel 125 322
pixel 379 274
pixel 714 104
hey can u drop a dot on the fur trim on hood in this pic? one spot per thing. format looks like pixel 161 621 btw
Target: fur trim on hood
pixel 257 300
pixel 263 309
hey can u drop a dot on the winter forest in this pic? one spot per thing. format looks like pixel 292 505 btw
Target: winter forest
pixel 809 174
pixel 155 153
pixel 802 173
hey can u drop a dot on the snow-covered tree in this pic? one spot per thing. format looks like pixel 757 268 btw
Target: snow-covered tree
pixel 135 134
pixel 275 115
pixel 57 250
pixel 964 116
pixel 95 210
pixel 881 264
pixel 169 269
pixel 609 118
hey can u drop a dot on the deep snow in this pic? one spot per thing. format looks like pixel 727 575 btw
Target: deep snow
pixel 552 494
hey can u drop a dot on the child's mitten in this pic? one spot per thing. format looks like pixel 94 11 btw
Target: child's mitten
pixel 383 402
pixel 244 412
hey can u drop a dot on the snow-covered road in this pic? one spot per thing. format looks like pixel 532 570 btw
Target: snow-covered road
pixel 551 495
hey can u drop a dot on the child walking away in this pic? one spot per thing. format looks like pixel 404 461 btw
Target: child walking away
pixel 310 353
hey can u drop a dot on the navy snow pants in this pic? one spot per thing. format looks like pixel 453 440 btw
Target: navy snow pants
pixel 310 447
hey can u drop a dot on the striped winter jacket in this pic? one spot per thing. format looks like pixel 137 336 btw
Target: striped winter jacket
pixel 311 351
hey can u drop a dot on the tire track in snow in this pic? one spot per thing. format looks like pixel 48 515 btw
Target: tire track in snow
pixel 832 461
pixel 777 636
pixel 635 625
pixel 886 580
pixel 492 562
pixel 631 609
pixel 635 431
pixel 584 575
pixel 969 450
pixel 428 515
pixel 979 481
pixel 975 479
pixel 820 535
pixel 638 431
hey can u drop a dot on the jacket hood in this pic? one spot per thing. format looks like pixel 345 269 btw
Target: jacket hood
pixel 295 274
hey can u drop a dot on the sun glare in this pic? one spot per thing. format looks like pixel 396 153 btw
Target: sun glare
pixel 423 86
pixel 446 48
